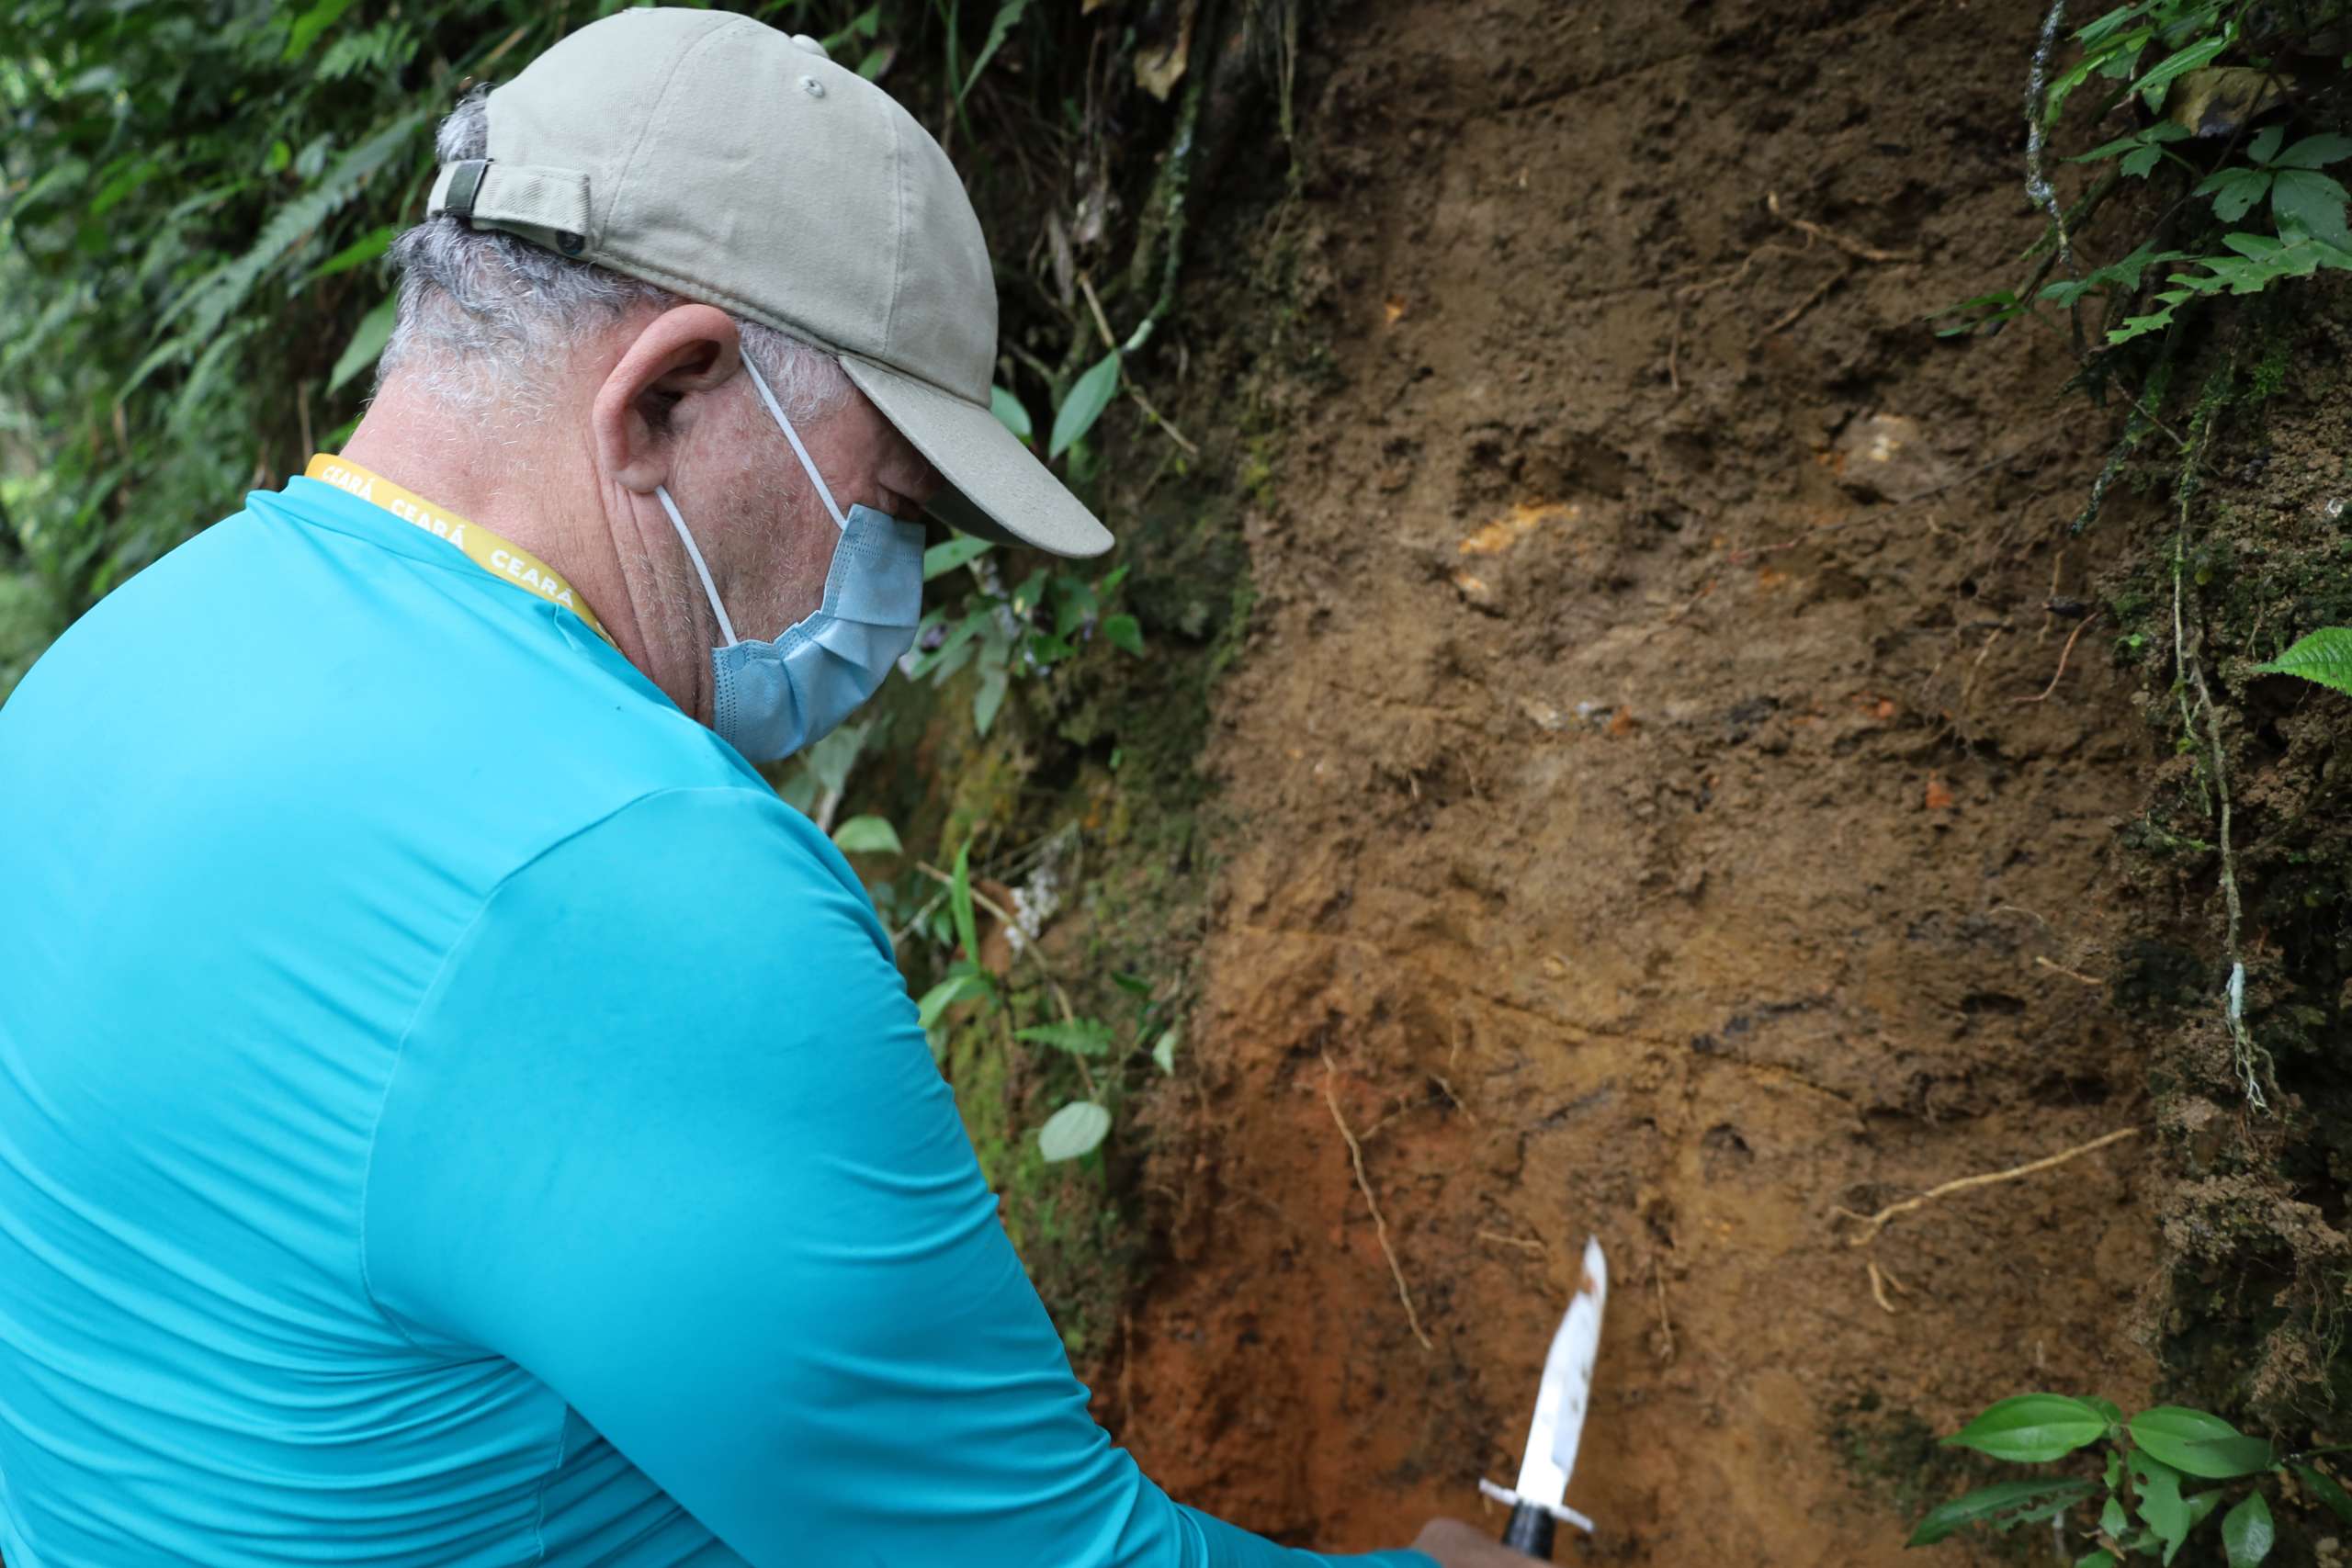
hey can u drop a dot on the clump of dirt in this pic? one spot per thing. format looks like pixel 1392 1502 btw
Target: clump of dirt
pixel 1657 805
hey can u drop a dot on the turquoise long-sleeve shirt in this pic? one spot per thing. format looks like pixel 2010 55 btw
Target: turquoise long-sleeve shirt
pixel 452 1113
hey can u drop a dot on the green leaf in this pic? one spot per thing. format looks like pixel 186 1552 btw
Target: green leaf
pixel 1007 16
pixel 2109 50
pixel 2032 1427
pixel 2100 1559
pixel 944 660
pixel 2308 203
pixel 2265 146
pixel 1010 412
pixel 2151 87
pixel 867 836
pixel 1085 404
pixel 2160 1501
pixel 956 987
pixel 125 179
pixel 367 341
pixel 1078 1036
pixel 2112 1520
pixel 2315 151
pixel 1995 308
pixel 959 903
pixel 2195 1443
pixel 2140 152
pixel 1077 1128
pixel 1124 632
pixel 1045 650
pixel 833 758
pixel 2162 131
pixel 943 558
pixel 58 176
pixel 2327 1489
pixel 360 252
pixel 212 297
pixel 1074 601
pixel 1163 1050
pixel 2092 31
pixel 2247 1534
pixel 2235 190
pixel 1997 1505
pixel 311 24
pixel 2140 326
pixel 989 700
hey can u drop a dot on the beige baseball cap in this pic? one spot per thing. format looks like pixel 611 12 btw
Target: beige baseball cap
pixel 729 163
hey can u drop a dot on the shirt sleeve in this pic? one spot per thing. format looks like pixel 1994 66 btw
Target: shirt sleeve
pixel 665 1132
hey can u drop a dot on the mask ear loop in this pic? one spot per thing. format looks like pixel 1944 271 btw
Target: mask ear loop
pixel 799 451
pixel 726 626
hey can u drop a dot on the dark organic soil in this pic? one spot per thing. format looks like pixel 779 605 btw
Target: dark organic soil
pixel 1642 825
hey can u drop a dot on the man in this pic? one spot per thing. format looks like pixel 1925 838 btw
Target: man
pixel 452 1111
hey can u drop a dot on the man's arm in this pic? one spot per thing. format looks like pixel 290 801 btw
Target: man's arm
pixel 665 1132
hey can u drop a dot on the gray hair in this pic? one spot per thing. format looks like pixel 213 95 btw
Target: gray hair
pixel 482 313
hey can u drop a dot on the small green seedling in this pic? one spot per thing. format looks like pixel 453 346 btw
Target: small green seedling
pixel 2139 1504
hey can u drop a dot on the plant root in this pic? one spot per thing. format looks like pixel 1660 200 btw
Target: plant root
pixel 2041 962
pixel 1881 1278
pixel 1852 247
pixel 1807 303
pixel 1536 1247
pixel 1874 1223
pixel 2063 652
pixel 1379 1225
pixel 1665 1322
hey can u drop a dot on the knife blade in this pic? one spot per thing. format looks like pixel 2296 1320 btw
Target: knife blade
pixel 1557 1429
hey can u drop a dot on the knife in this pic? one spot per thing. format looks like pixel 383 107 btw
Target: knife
pixel 1560 1401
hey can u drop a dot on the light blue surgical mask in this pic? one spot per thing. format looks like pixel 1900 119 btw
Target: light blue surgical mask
pixel 770 699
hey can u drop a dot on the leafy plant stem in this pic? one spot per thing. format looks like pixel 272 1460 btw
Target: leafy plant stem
pixel 2074 218
pixel 1102 324
pixel 1030 949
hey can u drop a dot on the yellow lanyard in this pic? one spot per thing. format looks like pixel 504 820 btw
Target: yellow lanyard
pixel 500 557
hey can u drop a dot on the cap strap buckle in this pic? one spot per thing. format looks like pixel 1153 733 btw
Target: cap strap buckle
pixel 547 205
pixel 458 184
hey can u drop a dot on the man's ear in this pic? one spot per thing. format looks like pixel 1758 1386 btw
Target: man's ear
pixel 684 350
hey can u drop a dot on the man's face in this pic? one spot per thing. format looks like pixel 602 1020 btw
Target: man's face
pixel 772 540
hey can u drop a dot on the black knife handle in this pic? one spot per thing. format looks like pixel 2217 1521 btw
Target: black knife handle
pixel 1529 1531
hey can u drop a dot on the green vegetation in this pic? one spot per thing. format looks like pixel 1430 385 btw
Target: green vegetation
pixel 2211 67
pixel 2323 656
pixel 2139 1503
pixel 2192 274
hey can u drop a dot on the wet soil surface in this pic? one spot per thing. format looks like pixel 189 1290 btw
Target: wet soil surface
pixel 1642 825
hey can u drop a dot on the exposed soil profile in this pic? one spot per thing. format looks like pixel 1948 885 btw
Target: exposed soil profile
pixel 1642 824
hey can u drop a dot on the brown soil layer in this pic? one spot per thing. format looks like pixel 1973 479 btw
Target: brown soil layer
pixel 1642 827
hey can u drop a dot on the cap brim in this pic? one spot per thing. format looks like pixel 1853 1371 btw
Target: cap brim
pixel 996 488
